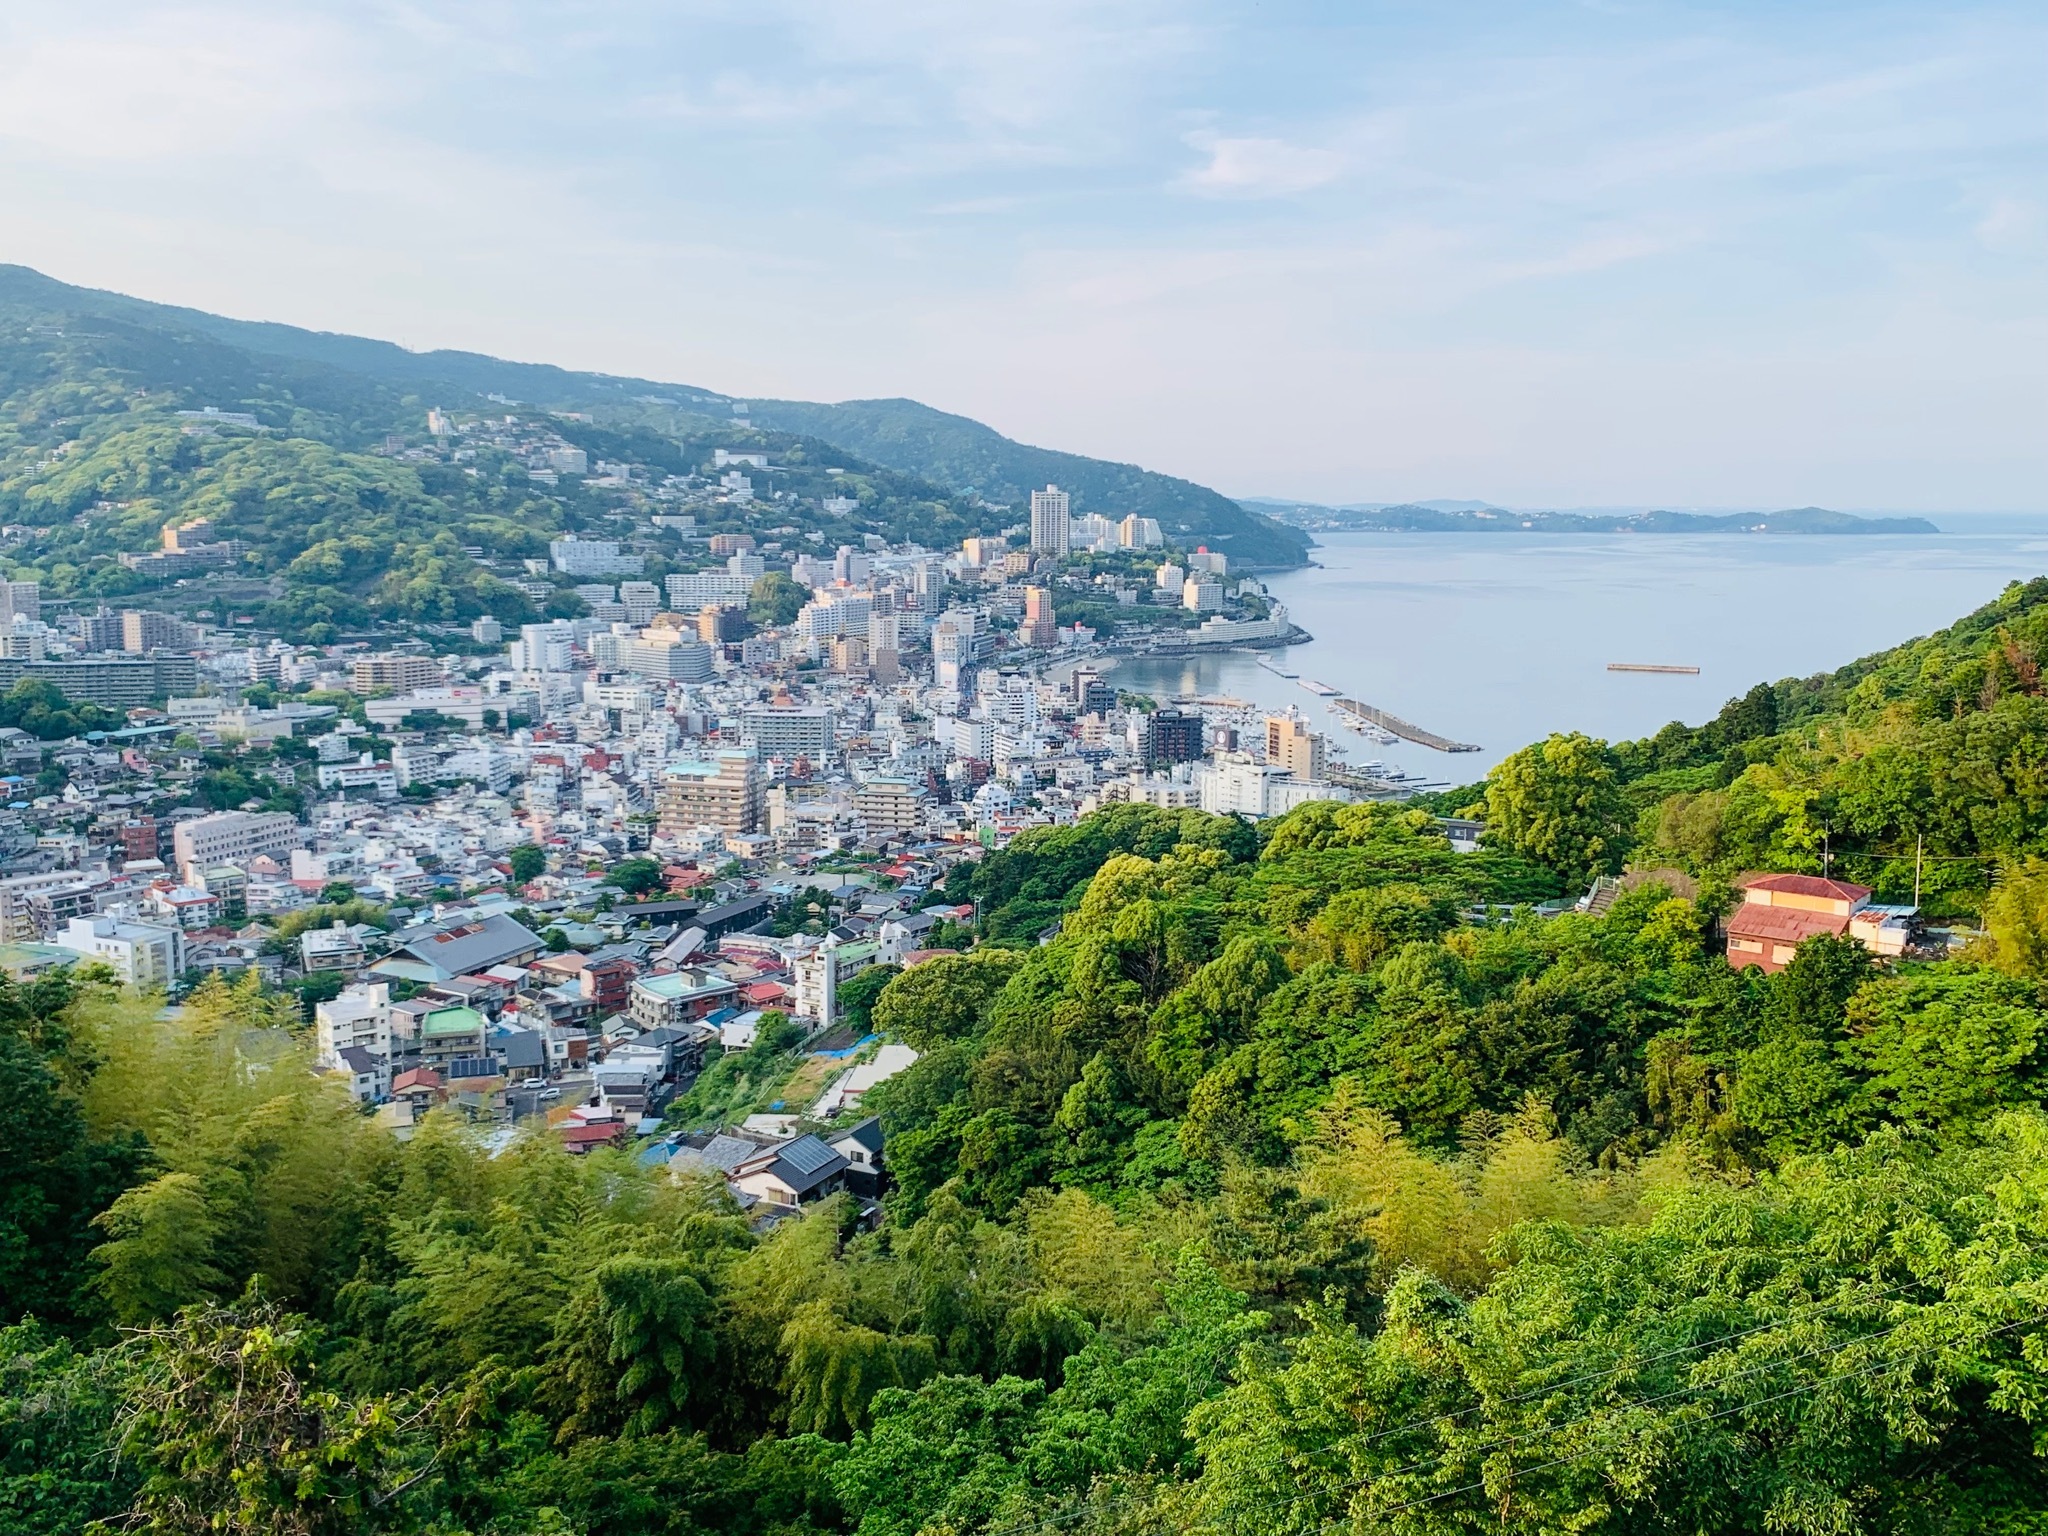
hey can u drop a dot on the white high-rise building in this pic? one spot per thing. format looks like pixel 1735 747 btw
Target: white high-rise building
pixel 641 599
pixel 544 647
pixel 1051 513
pixel 690 590
pixel 1232 784
pixel 1092 531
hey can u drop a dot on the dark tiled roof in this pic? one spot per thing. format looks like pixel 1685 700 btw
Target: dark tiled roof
pixel 524 1048
pixel 724 1153
pixel 473 946
pixel 865 1133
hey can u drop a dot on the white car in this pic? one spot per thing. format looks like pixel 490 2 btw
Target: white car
pixel 549 1093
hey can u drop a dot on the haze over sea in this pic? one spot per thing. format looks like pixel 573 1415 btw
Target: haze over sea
pixel 1502 638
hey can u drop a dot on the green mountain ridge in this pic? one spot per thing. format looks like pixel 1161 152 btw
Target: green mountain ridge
pixel 956 450
pixel 898 435
pixel 341 529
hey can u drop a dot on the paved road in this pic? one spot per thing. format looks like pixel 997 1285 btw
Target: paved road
pixel 526 1099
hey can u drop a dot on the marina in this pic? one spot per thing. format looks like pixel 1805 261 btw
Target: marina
pixel 1401 728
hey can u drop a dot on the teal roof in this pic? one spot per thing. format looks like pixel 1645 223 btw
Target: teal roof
pixel 452 1021
pixel 674 984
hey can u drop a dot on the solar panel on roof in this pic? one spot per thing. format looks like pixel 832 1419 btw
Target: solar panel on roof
pixel 807 1154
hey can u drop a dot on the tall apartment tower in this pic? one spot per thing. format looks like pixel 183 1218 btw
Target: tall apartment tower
pixel 1051 511
pixel 1290 744
pixel 1038 627
pixel 20 600
pixel 1173 737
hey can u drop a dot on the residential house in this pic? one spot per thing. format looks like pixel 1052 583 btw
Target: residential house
pixel 451 1032
pixel 335 948
pixel 368 1074
pixel 861 1145
pixel 790 1174
pixel 359 1019
pixel 1778 913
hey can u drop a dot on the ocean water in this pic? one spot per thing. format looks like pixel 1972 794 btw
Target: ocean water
pixel 1499 639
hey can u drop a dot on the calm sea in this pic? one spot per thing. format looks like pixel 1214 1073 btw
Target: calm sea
pixel 1500 639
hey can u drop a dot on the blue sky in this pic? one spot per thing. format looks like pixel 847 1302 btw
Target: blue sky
pixel 1545 254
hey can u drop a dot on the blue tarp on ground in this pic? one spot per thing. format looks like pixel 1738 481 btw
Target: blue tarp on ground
pixel 838 1055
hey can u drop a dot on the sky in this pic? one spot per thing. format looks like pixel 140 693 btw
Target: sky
pixel 1607 253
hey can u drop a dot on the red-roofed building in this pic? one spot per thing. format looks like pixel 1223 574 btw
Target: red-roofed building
pixel 421 1087
pixel 1781 912
pixel 1811 893
pixel 581 1138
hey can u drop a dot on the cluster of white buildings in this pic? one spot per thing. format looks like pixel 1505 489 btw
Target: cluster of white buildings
pixel 913 698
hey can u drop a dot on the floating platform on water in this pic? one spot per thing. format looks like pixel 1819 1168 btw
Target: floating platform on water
pixel 1386 722
pixel 1323 690
pixel 1277 670
pixel 1651 666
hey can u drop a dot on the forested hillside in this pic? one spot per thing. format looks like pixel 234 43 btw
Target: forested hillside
pixel 957 451
pixel 373 388
pixel 344 527
pixel 1926 763
pixel 1289 1178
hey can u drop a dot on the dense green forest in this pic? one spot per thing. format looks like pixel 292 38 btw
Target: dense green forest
pixel 1289 1178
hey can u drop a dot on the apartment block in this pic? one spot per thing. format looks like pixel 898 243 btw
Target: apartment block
pixel 234 837
pixel 724 792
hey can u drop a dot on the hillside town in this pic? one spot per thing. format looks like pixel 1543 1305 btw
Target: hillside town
pixel 544 874
pixel 540 874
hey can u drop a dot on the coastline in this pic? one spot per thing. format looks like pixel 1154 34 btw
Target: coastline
pixel 1295 635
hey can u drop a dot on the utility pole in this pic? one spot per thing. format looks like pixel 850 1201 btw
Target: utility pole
pixel 1919 841
pixel 1824 855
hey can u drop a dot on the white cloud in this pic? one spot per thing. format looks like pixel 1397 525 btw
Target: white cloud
pixel 2012 226
pixel 183 81
pixel 1257 167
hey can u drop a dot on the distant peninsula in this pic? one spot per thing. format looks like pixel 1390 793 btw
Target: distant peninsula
pixel 1468 517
